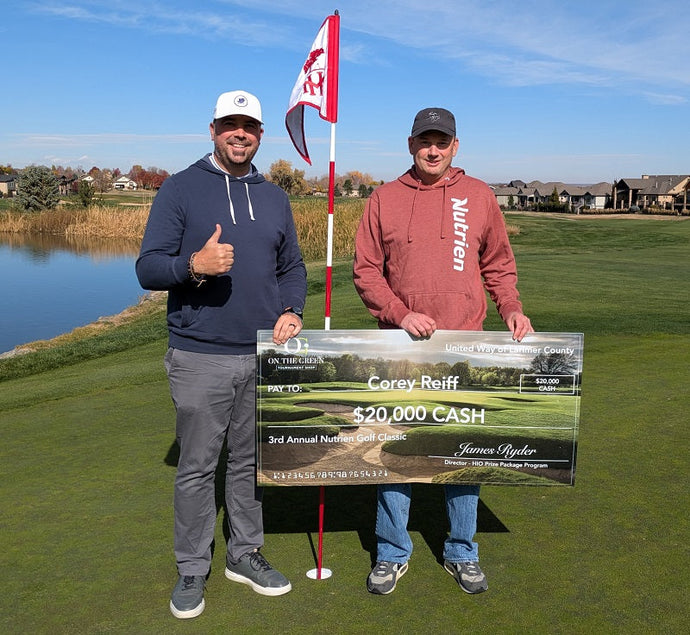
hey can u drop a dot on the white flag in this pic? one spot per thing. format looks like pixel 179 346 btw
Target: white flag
pixel 317 84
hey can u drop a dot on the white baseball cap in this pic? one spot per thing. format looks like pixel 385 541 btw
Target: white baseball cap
pixel 238 102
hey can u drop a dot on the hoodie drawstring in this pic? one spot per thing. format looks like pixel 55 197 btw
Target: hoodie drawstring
pixel 232 207
pixel 249 201
pixel 443 209
pixel 409 224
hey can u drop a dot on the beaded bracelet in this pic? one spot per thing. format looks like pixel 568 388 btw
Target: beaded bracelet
pixel 198 279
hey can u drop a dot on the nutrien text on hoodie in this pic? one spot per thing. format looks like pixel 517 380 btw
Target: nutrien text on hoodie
pixel 433 250
pixel 222 315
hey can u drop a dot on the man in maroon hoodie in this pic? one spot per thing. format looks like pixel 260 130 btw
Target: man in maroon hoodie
pixel 428 245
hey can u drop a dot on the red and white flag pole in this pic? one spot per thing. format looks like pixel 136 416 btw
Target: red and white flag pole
pixel 317 86
pixel 329 248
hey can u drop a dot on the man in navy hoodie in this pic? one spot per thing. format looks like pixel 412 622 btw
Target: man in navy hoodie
pixel 221 240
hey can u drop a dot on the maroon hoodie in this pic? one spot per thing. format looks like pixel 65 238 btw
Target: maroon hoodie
pixel 426 249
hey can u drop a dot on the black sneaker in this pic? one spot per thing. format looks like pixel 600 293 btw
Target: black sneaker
pixel 468 575
pixel 384 576
pixel 188 597
pixel 254 570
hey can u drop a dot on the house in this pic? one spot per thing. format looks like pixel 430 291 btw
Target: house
pixel 576 197
pixel 538 192
pixel 665 191
pixel 8 184
pixel 124 183
pixel 579 197
pixel 598 196
pixel 506 195
pixel 521 193
pixel 573 195
pixel 65 184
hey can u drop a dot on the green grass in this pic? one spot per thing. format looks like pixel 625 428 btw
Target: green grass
pixel 109 336
pixel 489 475
pixel 126 197
pixel 88 464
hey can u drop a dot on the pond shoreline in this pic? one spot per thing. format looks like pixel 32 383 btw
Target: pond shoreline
pixel 146 303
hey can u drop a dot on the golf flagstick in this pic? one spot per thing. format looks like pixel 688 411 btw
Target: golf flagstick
pixel 317 86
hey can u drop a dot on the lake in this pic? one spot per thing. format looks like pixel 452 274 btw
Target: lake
pixel 52 284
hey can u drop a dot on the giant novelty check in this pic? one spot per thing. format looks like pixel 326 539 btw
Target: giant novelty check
pixel 377 406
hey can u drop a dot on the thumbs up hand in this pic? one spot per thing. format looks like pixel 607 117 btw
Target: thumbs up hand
pixel 214 257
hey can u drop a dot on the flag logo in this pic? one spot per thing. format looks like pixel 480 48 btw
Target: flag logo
pixel 314 81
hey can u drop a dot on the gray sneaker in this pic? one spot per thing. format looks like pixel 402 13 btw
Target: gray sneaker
pixel 468 575
pixel 384 576
pixel 188 597
pixel 254 570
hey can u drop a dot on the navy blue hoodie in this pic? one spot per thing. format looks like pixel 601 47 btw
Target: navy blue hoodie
pixel 268 275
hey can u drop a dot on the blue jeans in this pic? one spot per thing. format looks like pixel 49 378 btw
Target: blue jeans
pixel 393 512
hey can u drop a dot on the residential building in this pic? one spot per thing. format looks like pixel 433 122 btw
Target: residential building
pixel 665 191
pixel 576 197
pixel 8 184
pixel 507 195
pixel 124 183
pixel 65 184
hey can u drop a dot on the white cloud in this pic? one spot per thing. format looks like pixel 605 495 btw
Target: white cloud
pixel 666 100
pixel 536 42
pixel 100 139
pixel 163 17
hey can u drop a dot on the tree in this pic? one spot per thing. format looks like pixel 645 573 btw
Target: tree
pixel 102 179
pixel 38 188
pixel 320 183
pixel 292 181
pixel 138 175
pixel 327 372
pixel 155 177
pixel 150 179
pixel 280 173
pixel 86 192
pixel 554 364
pixel 554 199
pixel 489 378
pixel 462 371
pixel 357 178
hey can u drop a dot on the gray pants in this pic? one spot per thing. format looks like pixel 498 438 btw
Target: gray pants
pixel 214 397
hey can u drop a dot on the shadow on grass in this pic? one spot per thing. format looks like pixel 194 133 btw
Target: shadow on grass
pixel 347 508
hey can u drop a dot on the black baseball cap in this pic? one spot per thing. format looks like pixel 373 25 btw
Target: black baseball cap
pixel 434 119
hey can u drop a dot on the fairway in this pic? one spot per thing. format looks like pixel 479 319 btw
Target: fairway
pixel 88 462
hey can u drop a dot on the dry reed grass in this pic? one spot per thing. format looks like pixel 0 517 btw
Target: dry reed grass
pixel 97 221
pixel 311 221
pixel 81 227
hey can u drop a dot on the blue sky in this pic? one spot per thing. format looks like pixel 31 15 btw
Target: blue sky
pixel 550 90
